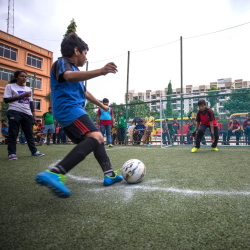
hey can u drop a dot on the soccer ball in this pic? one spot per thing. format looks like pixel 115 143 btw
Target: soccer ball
pixel 133 171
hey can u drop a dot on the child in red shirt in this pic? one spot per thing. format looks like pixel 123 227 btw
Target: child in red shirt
pixel 205 119
pixel 234 129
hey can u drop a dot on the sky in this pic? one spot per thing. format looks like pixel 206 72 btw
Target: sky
pixel 151 31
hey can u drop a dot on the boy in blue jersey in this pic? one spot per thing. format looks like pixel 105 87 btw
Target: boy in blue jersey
pixel 68 96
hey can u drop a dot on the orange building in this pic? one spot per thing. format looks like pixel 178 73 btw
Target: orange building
pixel 17 54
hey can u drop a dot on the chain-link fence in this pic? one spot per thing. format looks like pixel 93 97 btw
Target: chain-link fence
pixel 171 120
pixel 174 119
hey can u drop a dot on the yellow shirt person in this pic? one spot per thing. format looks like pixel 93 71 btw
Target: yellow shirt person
pixel 149 122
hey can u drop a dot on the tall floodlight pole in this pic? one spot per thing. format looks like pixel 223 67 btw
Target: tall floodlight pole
pixel 181 91
pixel 127 96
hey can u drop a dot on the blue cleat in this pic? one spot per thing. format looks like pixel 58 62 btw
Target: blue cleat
pixel 54 182
pixel 111 180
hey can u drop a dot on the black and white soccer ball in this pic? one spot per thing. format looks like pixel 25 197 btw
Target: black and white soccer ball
pixel 133 171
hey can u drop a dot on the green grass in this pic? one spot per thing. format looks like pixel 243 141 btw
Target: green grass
pixel 187 201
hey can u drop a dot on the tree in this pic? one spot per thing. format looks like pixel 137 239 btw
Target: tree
pixel 238 103
pixel 138 106
pixel 4 109
pixel 71 28
pixel 47 98
pixel 155 114
pixel 169 108
pixel 90 108
pixel 211 96
pixel 175 114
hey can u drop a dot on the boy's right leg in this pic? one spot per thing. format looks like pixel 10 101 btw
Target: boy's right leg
pixel 88 139
pixel 200 134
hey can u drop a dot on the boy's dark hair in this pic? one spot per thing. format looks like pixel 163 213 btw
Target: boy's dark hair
pixel 202 102
pixel 70 42
pixel 3 121
pixel 16 74
pixel 105 100
pixel 38 120
pixel 50 107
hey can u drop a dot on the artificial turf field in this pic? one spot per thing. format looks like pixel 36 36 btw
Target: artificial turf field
pixel 186 201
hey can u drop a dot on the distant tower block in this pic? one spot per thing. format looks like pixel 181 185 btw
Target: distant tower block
pixel 10 20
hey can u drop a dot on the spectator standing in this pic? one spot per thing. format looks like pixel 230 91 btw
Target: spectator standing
pixel 139 132
pixel 136 120
pixel 61 135
pixel 234 129
pixel 106 119
pixel 5 131
pixel 167 132
pixel 149 122
pixel 49 125
pixel 121 128
pixel 20 112
pixel 246 127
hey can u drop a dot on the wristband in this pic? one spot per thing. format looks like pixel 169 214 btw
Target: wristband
pixel 101 71
pixel 22 96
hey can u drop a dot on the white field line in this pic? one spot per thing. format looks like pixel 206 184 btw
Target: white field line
pixel 129 188
pixel 141 186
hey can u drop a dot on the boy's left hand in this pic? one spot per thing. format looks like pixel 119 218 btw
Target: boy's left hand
pixel 106 108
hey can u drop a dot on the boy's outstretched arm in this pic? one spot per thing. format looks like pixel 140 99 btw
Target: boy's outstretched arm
pixel 76 76
pixel 92 99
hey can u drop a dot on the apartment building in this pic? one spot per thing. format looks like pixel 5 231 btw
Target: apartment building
pixel 225 84
pixel 18 54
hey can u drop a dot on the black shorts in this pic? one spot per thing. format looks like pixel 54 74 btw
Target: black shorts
pixel 77 130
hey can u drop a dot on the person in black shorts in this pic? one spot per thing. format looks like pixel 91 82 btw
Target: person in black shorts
pixel 68 96
pixel 205 119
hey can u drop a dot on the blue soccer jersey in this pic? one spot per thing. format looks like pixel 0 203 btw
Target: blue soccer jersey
pixel 67 98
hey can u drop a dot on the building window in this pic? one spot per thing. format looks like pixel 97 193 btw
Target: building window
pixel 37 104
pixel 38 82
pixel 8 52
pixel 6 75
pixel 34 61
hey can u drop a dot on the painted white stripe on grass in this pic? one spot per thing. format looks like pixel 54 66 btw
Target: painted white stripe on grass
pixel 173 190
pixel 129 188
pixel 88 180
